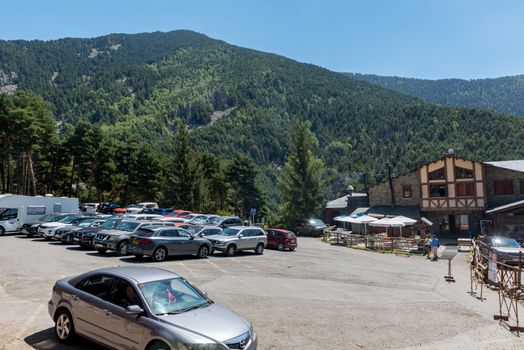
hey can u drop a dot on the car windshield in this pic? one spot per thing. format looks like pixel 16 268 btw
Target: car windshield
pixel 172 296
pixel 69 219
pixel 505 242
pixel 215 220
pixel 110 224
pixel 290 234
pixel 316 222
pixel 127 226
pixel 47 218
pixel 86 223
pixel 230 232
pixel 59 218
pixel 193 229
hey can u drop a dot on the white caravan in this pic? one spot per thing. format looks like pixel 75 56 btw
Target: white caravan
pixel 16 210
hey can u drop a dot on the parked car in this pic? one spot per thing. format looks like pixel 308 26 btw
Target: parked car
pixel 201 230
pixel 107 207
pixel 85 236
pixel 66 234
pixel 507 249
pixel 162 211
pixel 281 239
pixel 180 213
pixel 117 239
pixel 161 242
pixel 139 308
pixel 47 230
pixel 224 222
pixel 31 229
pixel 309 227
pixel 237 238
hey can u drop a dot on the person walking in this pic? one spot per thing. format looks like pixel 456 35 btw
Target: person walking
pixel 435 244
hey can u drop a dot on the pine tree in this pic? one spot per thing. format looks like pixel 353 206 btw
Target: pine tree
pixel 185 183
pixel 301 185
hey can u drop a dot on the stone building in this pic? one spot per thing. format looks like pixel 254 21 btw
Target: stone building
pixel 459 196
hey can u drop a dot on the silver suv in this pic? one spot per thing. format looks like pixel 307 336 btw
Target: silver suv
pixel 118 238
pixel 237 238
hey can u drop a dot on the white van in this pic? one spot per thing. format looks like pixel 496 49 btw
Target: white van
pixel 17 210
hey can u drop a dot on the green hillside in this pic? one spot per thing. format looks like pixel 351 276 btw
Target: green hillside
pixel 242 100
pixel 505 94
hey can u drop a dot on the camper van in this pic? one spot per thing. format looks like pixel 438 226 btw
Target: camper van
pixel 16 210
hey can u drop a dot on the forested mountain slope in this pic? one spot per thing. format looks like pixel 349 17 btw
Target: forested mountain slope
pixel 505 94
pixel 237 99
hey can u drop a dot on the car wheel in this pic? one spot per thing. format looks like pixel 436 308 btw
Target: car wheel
pixel 64 328
pixel 160 254
pixel 121 249
pixel 2 231
pixel 281 247
pixel 259 250
pixel 139 256
pixel 101 251
pixel 203 252
pixel 158 345
pixel 231 250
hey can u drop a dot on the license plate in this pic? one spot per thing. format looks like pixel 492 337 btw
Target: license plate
pixel 76 239
pixel 135 241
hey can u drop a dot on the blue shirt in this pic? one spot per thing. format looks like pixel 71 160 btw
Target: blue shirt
pixel 435 242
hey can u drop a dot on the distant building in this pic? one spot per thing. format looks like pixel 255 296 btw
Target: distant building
pixel 344 206
pixel 459 196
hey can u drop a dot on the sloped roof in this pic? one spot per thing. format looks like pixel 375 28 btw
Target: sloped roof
pixel 412 212
pixel 342 202
pixel 517 165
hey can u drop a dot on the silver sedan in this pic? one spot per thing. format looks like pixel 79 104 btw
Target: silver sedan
pixel 147 309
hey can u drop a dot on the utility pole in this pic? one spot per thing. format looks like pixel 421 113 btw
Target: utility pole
pixel 390 179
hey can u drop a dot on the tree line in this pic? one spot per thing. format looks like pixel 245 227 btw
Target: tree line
pixel 87 161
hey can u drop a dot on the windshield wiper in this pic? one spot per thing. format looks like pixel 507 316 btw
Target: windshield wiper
pixel 167 313
pixel 195 307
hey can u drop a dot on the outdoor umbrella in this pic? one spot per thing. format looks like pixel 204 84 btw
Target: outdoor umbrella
pixel 407 221
pixel 388 222
pixel 364 220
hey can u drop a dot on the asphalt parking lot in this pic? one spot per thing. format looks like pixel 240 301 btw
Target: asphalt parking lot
pixel 317 297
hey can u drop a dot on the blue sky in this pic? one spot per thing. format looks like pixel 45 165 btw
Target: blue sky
pixel 413 38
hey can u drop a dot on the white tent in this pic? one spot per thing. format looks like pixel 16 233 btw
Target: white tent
pixel 362 219
pixel 389 222
pixel 407 221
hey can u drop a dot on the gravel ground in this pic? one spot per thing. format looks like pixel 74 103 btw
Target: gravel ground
pixel 318 297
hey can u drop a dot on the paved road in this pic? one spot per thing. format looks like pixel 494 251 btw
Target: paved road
pixel 318 297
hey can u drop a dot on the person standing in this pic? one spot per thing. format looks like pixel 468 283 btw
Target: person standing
pixel 435 244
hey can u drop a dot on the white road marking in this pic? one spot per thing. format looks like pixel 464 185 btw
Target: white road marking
pixel 215 265
pixel 188 269
pixel 243 264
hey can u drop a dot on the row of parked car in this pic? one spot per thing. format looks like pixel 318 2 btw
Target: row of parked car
pixel 157 236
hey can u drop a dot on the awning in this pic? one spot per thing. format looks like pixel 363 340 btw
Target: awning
pixel 506 207
pixel 407 221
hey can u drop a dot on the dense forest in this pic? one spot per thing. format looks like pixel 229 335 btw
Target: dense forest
pixel 504 94
pixel 123 96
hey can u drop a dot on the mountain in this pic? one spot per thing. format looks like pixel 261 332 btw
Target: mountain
pixel 505 94
pixel 241 100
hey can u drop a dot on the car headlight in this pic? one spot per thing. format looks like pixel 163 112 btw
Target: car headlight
pixel 215 346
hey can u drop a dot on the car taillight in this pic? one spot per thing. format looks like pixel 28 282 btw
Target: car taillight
pixel 146 241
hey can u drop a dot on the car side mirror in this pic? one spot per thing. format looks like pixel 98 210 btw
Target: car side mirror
pixel 134 310
pixel 204 292
pixel 240 235
pixel 191 238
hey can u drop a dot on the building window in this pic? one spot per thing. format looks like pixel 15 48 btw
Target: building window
pixel 462 173
pixel 503 187
pixel 437 191
pixel 406 191
pixel 465 189
pixel 437 174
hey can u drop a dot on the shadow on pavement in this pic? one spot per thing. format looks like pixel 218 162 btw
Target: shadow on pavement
pixel 45 340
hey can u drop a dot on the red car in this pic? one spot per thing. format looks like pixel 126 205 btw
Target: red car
pixel 179 213
pixel 281 239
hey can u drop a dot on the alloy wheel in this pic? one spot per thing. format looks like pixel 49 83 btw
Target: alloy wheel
pixel 63 326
